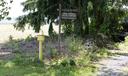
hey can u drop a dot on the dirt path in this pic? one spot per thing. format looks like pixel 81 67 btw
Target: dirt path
pixel 113 66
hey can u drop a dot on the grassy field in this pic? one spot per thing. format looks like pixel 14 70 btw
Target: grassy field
pixel 30 68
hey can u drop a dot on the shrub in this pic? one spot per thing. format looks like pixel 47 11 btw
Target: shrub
pixel 103 52
pixel 29 38
pixel 74 44
pixel 10 38
pixel 52 52
pixel 126 40
pixel 68 62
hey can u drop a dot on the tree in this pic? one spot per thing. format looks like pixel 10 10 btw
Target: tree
pixel 4 9
pixel 94 16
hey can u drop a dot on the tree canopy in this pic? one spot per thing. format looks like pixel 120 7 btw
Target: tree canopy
pixel 4 9
pixel 94 16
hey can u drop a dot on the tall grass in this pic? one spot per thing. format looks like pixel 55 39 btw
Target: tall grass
pixel 73 60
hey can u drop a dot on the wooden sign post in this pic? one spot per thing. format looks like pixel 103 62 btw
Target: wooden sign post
pixel 65 14
pixel 60 15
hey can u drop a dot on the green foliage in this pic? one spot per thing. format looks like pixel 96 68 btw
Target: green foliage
pixel 77 62
pixel 81 55
pixel 29 38
pixel 9 64
pixel 102 16
pixel 14 45
pixel 126 40
pixel 4 9
pixel 74 44
pixel 23 60
pixel 83 59
pixel 27 67
pixel 52 52
pixel 10 38
pixel 68 62
pixel 103 52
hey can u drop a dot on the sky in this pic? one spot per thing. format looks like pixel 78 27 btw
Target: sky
pixel 16 8
pixel 15 11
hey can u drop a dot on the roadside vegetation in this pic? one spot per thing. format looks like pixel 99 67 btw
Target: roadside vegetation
pixel 85 40
pixel 73 60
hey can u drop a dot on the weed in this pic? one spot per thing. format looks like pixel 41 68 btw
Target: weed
pixel 74 44
pixel 29 38
pixel 126 40
pixel 76 62
pixel 10 38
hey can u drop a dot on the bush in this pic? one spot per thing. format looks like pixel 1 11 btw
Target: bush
pixel 68 62
pixel 25 61
pixel 103 53
pixel 52 52
pixel 74 44
pixel 29 38
pixel 126 40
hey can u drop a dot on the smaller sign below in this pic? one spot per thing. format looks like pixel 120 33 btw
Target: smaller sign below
pixel 69 10
pixel 69 15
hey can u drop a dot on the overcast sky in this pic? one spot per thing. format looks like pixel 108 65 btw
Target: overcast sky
pixel 15 11
pixel 16 8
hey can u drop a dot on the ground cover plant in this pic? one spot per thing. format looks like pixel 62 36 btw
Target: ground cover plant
pixel 73 60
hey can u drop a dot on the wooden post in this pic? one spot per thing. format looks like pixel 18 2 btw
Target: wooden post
pixel 60 15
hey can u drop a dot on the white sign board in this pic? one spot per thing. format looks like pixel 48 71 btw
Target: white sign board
pixel 69 15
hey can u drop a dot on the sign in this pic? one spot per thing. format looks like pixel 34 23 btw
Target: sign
pixel 69 15
pixel 69 10
pixel 40 37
